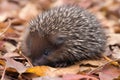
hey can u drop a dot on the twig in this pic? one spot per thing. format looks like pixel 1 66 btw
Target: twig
pixel 21 53
pixel 100 67
pixel 3 74
pixel 26 58
pixel 6 28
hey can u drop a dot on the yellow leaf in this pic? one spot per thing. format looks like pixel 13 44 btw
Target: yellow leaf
pixel 38 70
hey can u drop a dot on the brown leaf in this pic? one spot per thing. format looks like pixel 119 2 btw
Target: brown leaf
pixel 74 69
pixel 8 9
pixel 2 62
pixel 2 45
pixel 10 63
pixel 11 55
pixel 89 65
pixel 9 47
pixel 47 78
pixel 78 77
pixel 109 72
pixel 2 26
pixel 28 12
pixel 3 16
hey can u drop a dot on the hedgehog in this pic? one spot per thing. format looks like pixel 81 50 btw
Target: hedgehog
pixel 62 36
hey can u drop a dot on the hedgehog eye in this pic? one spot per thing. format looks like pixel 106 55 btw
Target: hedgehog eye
pixel 60 40
pixel 47 52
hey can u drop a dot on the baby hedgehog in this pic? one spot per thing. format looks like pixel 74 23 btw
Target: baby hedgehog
pixel 63 35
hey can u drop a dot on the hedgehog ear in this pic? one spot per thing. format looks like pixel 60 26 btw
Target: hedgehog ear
pixel 58 39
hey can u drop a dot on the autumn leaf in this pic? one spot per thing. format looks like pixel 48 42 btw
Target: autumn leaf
pixel 38 70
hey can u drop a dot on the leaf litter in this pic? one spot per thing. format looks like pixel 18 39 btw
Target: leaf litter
pixel 13 21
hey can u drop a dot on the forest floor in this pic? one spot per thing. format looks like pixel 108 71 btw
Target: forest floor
pixel 14 18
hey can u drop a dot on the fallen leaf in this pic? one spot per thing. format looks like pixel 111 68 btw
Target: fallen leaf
pixel 2 62
pixel 39 70
pixel 109 72
pixel 16 65
pixel 78 77
pixel 89 65
pixel 3 16
pixel 9 47
pixel 47 78
pixel 29 8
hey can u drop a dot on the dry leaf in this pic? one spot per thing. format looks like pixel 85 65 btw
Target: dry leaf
pixel 16 65
pixel 2 62
pixel 109 72
pixel 3 16
pixel 28 12
pixel 9 47
pixel 78 77
pixel 39 70
pixel 74 69
pixel 47 78
pixel 89 65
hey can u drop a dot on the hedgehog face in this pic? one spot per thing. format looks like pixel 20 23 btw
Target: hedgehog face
pixel 52 57
pixel 48 50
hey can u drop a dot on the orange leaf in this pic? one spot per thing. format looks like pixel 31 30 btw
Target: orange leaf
pixel 38 70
